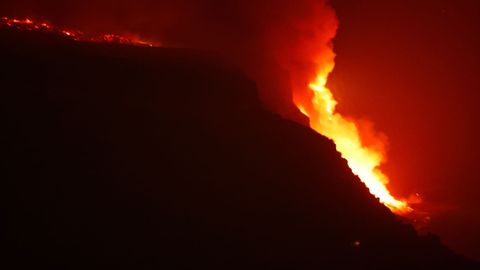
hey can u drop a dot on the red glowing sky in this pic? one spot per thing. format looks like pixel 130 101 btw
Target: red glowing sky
pixel 408 66
pixel 412 68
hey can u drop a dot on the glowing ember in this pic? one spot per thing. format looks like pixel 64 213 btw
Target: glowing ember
pixel 30 25
pixel 364 161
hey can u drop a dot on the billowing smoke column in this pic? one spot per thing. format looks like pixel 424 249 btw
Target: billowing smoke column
pixel 284 45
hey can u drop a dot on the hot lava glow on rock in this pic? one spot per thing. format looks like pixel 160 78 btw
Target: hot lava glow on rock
pixel 364 161
pixel 31 25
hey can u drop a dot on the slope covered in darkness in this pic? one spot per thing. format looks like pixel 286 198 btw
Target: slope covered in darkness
pixel 140 158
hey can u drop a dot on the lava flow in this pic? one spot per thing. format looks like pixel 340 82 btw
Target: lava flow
pixel 31 25
pixel 319 106
pixel 364 161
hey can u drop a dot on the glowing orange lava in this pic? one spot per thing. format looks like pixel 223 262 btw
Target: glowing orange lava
pixel 364 161
pixel 31 25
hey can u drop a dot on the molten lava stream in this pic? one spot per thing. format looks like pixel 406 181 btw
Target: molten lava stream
pixel 364 161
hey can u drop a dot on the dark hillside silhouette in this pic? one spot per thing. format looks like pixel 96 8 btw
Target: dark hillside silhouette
pixel 119 157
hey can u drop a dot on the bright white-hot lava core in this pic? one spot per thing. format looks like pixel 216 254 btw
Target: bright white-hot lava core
pixel 364 161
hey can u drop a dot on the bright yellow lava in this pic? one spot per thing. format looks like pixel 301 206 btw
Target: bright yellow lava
pixel 364 161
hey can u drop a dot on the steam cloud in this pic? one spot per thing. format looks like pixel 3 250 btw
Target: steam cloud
pixel 278 43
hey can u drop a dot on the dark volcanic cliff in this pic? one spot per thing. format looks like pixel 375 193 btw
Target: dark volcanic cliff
pixel 140 158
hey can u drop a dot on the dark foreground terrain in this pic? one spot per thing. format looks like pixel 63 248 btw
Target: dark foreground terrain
pixel 116 157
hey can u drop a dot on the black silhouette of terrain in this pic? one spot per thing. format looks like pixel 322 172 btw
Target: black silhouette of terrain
pixel 119 157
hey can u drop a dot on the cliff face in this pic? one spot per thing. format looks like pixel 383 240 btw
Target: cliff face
pixel 138 157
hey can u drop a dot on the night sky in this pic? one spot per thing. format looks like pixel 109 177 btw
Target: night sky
pixel 410 67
